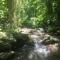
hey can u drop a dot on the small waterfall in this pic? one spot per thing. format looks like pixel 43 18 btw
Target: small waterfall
pixel 40 52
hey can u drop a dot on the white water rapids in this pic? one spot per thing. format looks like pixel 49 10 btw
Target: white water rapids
pixel 40 51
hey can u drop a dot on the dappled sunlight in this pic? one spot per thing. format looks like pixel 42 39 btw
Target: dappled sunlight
pixel 29 29
pixel 25 30
pixel 3 34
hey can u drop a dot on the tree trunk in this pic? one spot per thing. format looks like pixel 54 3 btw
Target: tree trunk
pixel 11 13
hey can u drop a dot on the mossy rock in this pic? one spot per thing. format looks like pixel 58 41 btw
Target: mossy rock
pixel 6 55
pixel 5 46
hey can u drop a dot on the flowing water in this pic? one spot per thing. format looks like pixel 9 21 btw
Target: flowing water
pixel 40 52
pixel 36 52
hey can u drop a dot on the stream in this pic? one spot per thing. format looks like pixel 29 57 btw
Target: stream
pixel 37 52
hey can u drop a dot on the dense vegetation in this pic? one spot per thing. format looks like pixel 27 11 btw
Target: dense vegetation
pixel 32 13
pixel 15 14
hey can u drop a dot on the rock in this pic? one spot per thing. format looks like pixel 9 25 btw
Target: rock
pixel 26 30
pixel 5 46
pixel 6 55
pixel 41 29
pixel 53 47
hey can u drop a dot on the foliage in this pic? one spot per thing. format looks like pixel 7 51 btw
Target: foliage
pixel 3 13
pixel 53 15
pixel 31 13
